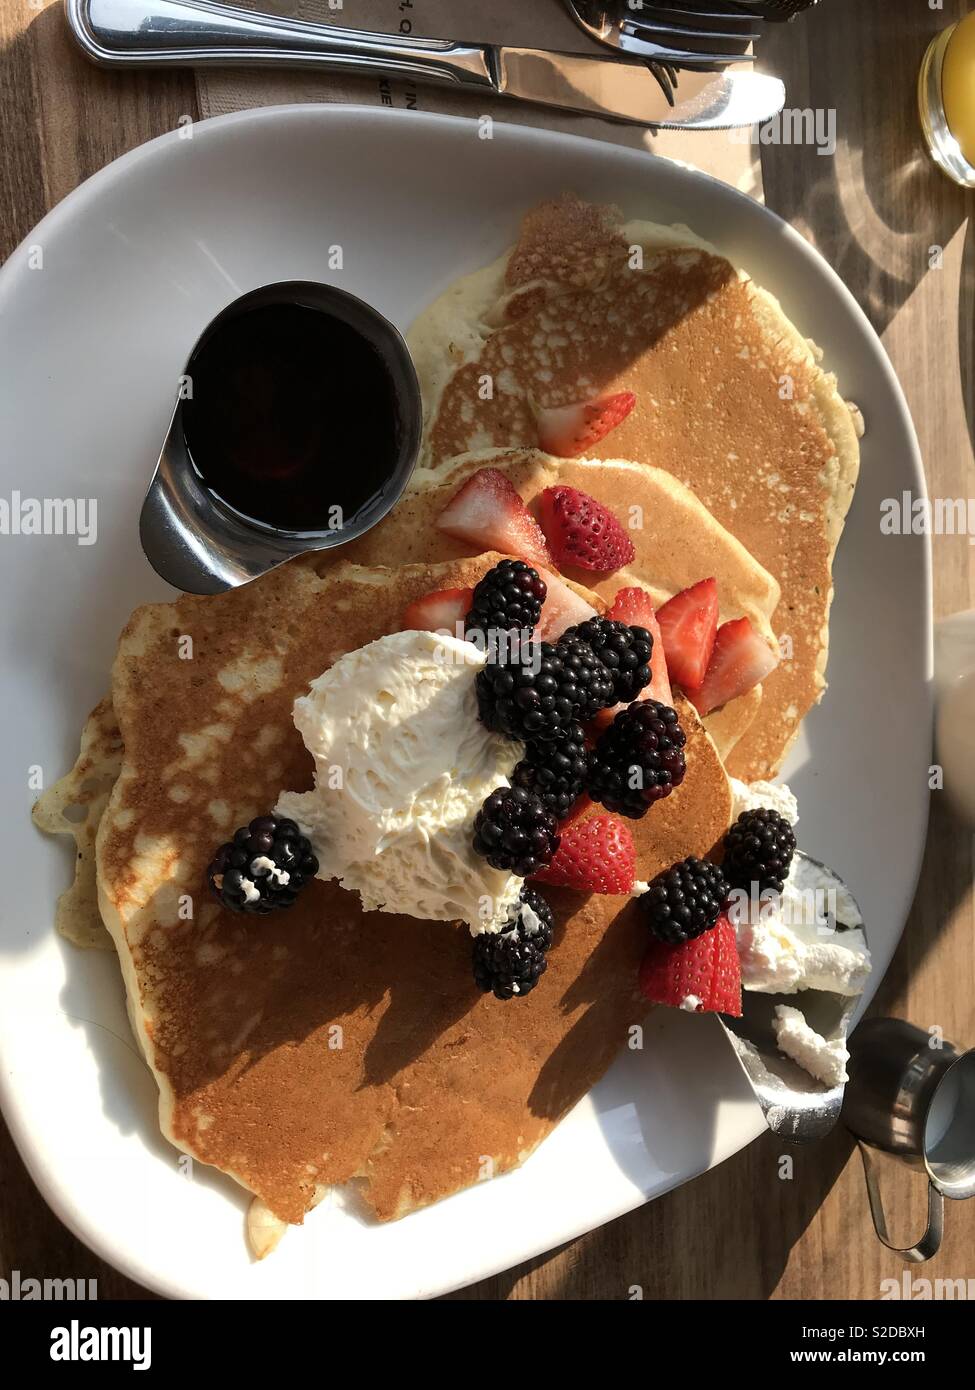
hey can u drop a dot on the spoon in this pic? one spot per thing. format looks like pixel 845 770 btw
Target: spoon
pixel 795 1104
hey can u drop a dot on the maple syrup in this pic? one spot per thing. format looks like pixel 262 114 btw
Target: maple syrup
pixel 292 416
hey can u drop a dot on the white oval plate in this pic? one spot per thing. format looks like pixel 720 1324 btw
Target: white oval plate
pixel 132 265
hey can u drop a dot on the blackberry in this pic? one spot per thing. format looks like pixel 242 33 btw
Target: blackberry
pixel 506 965
pixel 508 599
pixel 684 901
pixel 515 831
pixel 625 651
pixel 530 692
pixel 638 760
pixel 758 849
pixel 537 923
pixel 555 772
pixel 512 961
pixel 263 868
pixel 592 679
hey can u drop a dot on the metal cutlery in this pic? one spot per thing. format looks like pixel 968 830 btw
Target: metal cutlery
pixel 635 36
pixel 719 9
pixel 198 33
pixel 794 1104
pixel 663 33
pixel 778 9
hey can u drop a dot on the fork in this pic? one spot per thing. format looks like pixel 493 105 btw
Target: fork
pixel 778 9
pixel 662 55
pixel 660 39
pixel 721 9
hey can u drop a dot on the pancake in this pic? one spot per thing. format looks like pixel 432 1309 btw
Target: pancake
pixel 325 1045
pixel 74 806
pixel 675 538
pixel 731 401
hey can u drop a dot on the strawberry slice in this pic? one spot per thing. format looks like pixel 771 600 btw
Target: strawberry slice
pixel 688 625
pixel 562 608
pixel 706 969
pixel 595 855
pixel 633 606
pixel 741 658
pixel 567 431
pixel 582 532
pixel 439 611
pixel 488 512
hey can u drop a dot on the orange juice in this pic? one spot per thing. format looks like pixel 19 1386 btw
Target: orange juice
pixel 958 85
pixel 946 100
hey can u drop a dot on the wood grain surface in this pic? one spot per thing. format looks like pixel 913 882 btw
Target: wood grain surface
pixel 876 210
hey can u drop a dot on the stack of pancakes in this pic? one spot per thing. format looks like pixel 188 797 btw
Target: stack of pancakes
pixel 326 1045
pixel 731 402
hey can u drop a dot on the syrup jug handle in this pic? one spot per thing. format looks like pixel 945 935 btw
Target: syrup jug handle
pixel 930 1242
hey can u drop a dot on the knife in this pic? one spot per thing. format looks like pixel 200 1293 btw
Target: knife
pixel 196 33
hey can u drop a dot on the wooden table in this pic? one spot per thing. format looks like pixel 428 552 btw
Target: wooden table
pixel 876 211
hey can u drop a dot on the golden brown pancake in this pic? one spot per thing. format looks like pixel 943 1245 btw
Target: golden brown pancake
pixel 323 1044
pixel 730 400
pixel 74 806
pixel 676 543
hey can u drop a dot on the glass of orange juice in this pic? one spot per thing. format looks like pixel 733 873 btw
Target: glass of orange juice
pixel 946 97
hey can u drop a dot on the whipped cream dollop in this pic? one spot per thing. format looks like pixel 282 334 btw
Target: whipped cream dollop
pixel 791 942
pixel 402 766
pixel 823 1058
pixel 774 796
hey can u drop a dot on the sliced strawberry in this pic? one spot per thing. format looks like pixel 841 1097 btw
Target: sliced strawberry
pixel 706 969
pixel 488 512
pixel 440 611
pixel 569 430
pixel 562 608
pixel 582 532
pixel 741 658
pixel 688 625
pixel 596 855
pixel 633 606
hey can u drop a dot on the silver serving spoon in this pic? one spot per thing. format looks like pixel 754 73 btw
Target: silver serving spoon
pixel 795 1104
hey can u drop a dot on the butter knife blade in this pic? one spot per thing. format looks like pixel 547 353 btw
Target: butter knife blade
pixel 628 92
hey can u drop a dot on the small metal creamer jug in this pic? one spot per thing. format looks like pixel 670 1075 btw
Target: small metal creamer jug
pixel 197 542
pixel 915 1100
